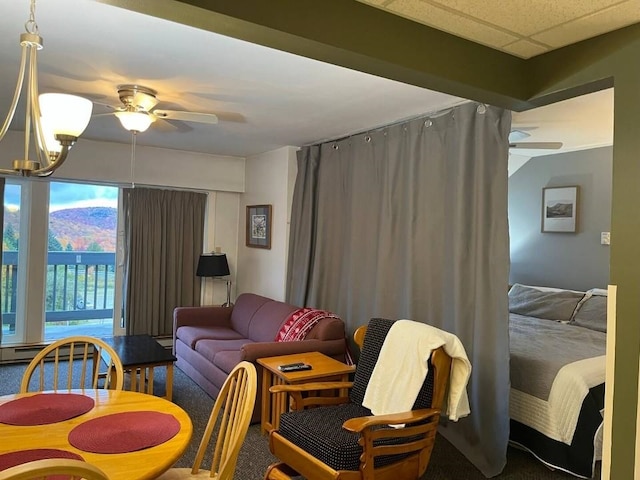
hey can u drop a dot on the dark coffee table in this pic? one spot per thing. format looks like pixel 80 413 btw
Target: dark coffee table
pixel 139 355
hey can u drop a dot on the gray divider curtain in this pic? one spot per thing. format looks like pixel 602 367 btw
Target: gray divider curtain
pixel 163 232
pixel 410 221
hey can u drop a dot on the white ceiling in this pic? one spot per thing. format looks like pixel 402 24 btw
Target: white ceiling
pixel 265 98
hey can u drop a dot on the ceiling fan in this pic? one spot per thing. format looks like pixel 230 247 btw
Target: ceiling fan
pixel 516 135
pixel 138 111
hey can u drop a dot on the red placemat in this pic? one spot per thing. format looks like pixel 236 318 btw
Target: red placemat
pixel 11 459
pixel 44 408
pixel 124 432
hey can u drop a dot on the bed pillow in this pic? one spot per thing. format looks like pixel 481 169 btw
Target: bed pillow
pixel 598 291
pixel 592 313
pixel 555 304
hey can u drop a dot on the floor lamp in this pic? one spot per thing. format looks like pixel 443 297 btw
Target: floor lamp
pixel 215 265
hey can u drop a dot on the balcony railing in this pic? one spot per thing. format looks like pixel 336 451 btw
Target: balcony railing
pixel 79 286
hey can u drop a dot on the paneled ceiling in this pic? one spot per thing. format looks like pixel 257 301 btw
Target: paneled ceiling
pixel 524 28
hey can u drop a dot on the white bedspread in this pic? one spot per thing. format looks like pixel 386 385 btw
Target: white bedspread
pixel 402 368
pixel 558 416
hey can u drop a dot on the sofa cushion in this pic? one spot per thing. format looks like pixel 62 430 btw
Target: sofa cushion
pixel 247 304
pixel 226 360
pixel 267 321
pixel 191 335
pixel 210 348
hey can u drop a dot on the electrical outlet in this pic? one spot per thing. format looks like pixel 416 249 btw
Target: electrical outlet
pixel 605 238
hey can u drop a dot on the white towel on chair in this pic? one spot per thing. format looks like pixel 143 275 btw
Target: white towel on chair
pixel 402 368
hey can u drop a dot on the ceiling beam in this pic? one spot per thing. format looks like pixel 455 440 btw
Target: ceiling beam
pixel 357 36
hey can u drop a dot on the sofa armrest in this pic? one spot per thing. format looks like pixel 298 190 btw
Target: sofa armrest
pixel 201 316
pixel 252 351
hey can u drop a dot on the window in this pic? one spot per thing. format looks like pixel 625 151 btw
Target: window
pixel 10 244
pixel 80 275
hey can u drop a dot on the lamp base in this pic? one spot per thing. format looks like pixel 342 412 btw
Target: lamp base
pixel 228 303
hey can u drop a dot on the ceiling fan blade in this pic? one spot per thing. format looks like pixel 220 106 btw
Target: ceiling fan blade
pixel 197 117
pixel 164 126
pixel 537 145
pixel 107 114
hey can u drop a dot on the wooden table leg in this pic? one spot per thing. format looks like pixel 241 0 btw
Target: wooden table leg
pixel 149 381
pixel 265 418
pixel 133 374
pixel 169 385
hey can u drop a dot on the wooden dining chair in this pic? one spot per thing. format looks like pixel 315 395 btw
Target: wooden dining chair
pixel 74 362
pixel 43 469
pixel 231 414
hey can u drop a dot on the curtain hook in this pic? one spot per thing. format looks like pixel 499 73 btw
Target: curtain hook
pixel 335 146
pixel 367 138
pixel 482 109
pixel 428 123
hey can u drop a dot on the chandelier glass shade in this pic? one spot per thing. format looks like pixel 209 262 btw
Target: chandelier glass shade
pixel 56 120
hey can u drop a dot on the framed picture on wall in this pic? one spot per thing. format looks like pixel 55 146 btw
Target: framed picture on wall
pixel 259 226
pixel 560 209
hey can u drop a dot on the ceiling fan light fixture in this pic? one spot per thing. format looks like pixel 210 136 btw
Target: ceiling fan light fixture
pixel 135 121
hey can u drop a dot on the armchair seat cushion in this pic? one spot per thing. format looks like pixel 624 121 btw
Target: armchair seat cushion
pixel 319 432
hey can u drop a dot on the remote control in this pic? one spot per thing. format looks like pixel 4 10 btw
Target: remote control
pixel 289 365
pixel 295 368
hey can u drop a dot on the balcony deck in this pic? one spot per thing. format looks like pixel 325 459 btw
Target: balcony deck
pixel 79 293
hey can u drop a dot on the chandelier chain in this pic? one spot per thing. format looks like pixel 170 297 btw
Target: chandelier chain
pixel 30 25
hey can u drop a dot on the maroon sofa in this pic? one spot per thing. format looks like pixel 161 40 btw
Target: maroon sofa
pixel 209 341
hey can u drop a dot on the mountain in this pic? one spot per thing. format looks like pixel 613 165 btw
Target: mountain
pixel 80 227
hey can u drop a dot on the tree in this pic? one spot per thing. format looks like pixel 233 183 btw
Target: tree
pixel 54 244
pixel 69 247
pixel 94 247
pixel 10 239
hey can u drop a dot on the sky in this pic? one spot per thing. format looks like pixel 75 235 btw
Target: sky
pixel 65 195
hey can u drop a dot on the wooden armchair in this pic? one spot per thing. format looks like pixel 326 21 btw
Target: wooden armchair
pixel 341 439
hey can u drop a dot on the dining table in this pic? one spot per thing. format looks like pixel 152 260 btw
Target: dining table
pixel 128 435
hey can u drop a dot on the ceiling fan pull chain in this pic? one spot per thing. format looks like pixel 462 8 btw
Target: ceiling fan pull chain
pixel 133 159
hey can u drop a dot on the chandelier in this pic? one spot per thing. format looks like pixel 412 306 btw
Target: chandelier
pixel 56 119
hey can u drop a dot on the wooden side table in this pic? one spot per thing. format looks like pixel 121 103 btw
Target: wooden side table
pixel 324 368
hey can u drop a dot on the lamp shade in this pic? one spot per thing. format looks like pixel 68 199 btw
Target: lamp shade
pixel 212 266
pixel 65 114
pixel 135 121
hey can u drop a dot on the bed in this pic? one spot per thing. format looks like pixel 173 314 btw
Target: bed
pixel 557 364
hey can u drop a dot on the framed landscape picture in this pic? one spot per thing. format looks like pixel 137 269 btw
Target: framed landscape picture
pixel 259 226
pixel 560 209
